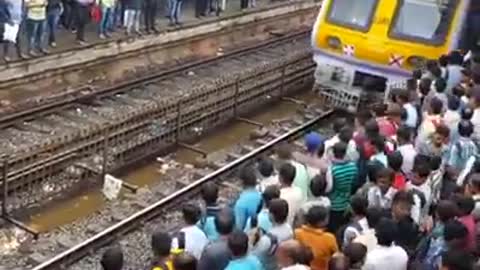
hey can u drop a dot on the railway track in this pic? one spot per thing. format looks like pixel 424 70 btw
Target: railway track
pixel 56 146
pixel 134 231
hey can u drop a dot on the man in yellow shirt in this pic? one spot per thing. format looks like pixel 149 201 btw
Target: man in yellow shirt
pixel 36 15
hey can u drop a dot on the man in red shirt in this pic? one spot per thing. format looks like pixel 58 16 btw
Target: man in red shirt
pixel 388 125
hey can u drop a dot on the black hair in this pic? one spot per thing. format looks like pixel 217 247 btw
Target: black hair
pixel 395 161
pixel 161 243
pixel 340 150
pixel 425 86
pixel 278 208
pixel 404 133
pixel 318 185
pixel 442 130
pixel 374 214
pixel 436 72
pixel 403 95
pixel 474 180
pixel 446 210
pixel 465 128
pixel 371 128
pixel 112 259
pixel 339 262
pixel 316 214
pixel 440 85
pixel 338 124
pixel 417 74
pixel 458 260
pixel 210 193
pixel 359 205
pixel 458 91
pixel 304 255
pixel 386 231
pixel 435 162
pixel 184 261
pixel 455 58
pixel 403 196
pixel 379 143
pixel 385 173
pixel 355 252
pixel 454 230
pixel 345 134
pixel 465 205
pixel 436 105
pixel 224 221
pixel 238 243
pixel 270 193
pixel 422 169
pixel 431 64
pixel 248 177
pixel 466 113
pixel 373 167
pixel 453 103
pixel 265 167
pixel 287 174
pixel 191 213
pixel 443 60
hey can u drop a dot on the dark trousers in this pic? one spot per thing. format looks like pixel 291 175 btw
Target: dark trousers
pixel 200 7
pixel 68 15
pixel 337 220
pixel 151 7
pixel 7 44
pixel 82 18
pixel 243 4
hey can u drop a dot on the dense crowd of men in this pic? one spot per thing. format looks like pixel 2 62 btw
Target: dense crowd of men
pixel 397 189
pixel 40 20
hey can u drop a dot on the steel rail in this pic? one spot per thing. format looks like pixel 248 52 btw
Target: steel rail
pixel 29 114
pixel 78 251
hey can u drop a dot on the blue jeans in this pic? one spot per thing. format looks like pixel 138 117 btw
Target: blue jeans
pixel 168 10
pixel 53 17
pixel 176 11
pixel 106 22
pixel 35 34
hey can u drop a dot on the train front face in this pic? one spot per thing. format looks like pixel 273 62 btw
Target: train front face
pixel 384 39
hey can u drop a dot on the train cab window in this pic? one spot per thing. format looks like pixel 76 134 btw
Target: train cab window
pixel 425 21
pixel 353 14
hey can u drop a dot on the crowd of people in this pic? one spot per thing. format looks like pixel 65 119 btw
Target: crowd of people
pixel 397 189
pixel 40 20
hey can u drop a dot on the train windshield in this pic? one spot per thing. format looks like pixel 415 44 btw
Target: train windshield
pixel 354 14
pixel 426 21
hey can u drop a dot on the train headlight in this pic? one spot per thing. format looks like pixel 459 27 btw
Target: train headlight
pixel 416 61
pixel 334 42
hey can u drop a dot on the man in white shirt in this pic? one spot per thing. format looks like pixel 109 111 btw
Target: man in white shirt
pixel 406 148
pixel 368 238
pixel 422 193
pixel 403 98
pixel 386 255
pixel 191 238
pixel 290 193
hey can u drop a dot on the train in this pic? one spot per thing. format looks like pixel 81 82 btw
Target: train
pixel 382 40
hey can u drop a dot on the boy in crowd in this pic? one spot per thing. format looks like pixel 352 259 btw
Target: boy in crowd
pixel 191 238
pixel 262 220
pixel 359 223
pixel 314 236
pixel 290 193
pixel 267 174
pixel 249 199
pixel 406 149
pixel 210 196
pixel 381 194
pixel 238 245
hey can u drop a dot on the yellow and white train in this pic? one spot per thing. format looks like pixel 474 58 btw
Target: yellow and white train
pixel 383 39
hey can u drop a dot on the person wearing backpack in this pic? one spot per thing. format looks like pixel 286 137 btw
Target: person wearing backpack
pixel 161 244
pixel 265 243
pixel 190 238
pixel 210 196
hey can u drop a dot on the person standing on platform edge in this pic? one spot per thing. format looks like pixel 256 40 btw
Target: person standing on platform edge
pixel 132 16
pixel 82 18
pixel 151 7
pixel 15 12
pixel 175 12
pixel 36 15
pixel 201 8
pixel 54 11
pixel 105 26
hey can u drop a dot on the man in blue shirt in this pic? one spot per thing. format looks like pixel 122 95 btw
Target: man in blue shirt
pixel 249 199
pixel 238 245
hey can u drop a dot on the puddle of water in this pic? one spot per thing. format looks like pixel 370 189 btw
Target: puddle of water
pixel 85 204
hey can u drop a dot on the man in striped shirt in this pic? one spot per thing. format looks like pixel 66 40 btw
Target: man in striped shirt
pixel 464 148
pixel 341 176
